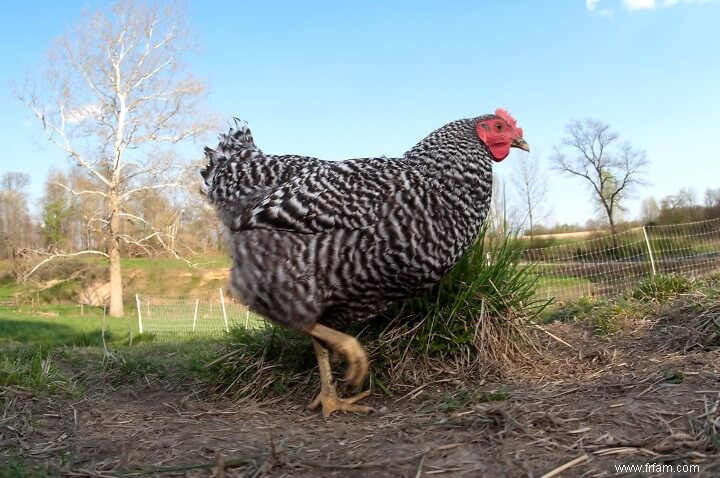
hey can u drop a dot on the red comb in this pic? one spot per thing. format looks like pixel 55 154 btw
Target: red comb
pixel 501 113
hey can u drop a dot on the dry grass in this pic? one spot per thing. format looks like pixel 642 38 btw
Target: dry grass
pixel 496 346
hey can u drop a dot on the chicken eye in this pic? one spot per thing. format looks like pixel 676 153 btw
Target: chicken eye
pixel 498 126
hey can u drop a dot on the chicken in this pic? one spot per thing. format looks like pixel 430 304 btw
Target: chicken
pixel 318 246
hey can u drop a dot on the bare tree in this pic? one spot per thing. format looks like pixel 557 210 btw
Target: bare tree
pixel 114 96
pixel 680 207
pixel 712 203
pixel 592 152
pixel 531 188
pixel 649 210
pixel 502 216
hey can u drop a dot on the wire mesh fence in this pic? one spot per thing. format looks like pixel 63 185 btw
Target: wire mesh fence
pixel 605 266
pixel 612 265
pixel 202 316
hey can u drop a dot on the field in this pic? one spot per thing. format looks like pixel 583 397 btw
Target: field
pixel 611 384
pixel 58 326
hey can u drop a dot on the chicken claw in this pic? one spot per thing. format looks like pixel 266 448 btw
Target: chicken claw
pixel 327 398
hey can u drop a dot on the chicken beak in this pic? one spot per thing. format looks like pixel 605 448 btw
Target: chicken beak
pixel 520 143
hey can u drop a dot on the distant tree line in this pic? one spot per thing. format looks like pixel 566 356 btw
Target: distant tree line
pixel 71 223
pixel 17 229
pixel 679 208
pixel 683 206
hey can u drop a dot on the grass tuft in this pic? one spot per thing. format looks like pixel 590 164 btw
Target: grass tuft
pixel 259 363
pixel 606 317
pixel 662 287
pixel 33 368
pixel 17 466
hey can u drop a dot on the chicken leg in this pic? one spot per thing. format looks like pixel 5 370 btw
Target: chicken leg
pixel 357 370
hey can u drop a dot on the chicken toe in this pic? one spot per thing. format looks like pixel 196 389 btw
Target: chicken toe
pixel 327 398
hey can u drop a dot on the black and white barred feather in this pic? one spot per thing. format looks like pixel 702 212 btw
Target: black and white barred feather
pixel 337 242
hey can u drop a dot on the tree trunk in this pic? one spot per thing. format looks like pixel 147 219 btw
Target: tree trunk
pixel 532 234
pixel 613 231
pixel 116 291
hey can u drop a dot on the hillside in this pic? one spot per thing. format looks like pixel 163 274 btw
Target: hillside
pixel 64 282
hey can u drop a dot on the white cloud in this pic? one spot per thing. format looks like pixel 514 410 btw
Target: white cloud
pixel 649 4
pixel 592 6
pixel 639 4
pixel 633 5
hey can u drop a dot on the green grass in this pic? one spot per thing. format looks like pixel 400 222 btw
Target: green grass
pixel 605 316
pixel 177 362
pixel 168 263
pixel 33 346
pixel 17 466
pixel 35 369
pixel 608 316
pixel 8 285
pixel 32 338
pixel 662 287
pixel 53 326
pixel 172 277
pixel 545 281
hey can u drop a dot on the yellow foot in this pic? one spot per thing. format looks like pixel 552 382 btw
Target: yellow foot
pixel 346 346
pixel 357 362
pixel 332 403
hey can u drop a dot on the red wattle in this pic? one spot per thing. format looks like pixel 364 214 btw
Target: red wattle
pixel 499 151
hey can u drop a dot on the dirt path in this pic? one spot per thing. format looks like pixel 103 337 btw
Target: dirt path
pixel 593 405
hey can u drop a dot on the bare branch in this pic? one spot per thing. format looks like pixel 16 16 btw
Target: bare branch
pixel 66 145
pixel 80 193
pixel 127 194
pixel 59 256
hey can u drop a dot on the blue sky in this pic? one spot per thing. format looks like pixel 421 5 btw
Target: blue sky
pixel 348 79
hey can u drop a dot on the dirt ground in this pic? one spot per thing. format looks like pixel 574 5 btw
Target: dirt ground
pixel 648 396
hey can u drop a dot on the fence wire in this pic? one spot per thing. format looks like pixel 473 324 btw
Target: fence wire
pixel 206 315
pixel 614 264
pixel 605 266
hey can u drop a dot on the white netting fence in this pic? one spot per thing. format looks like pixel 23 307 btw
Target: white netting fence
pixel 613 264
pixel 605 266
pixel 207 315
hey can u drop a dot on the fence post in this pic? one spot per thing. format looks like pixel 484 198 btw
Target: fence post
pixel 650 253
pixel 197 303
pixel 222 304
pixel 139 308
pixel 247 317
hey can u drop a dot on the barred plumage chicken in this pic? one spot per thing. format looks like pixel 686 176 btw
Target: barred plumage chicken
pixel 318 246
